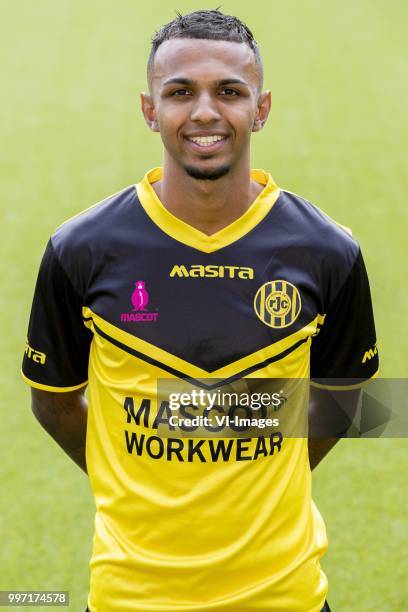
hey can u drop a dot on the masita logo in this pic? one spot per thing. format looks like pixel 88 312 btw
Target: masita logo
pixel 372 352
pixel 35 355
pixel 211 271
pixel 277 303
pixel 140 301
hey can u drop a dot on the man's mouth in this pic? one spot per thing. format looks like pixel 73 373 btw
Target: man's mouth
pixel 206 141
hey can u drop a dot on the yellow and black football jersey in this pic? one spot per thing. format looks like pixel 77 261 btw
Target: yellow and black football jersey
pixel 128 294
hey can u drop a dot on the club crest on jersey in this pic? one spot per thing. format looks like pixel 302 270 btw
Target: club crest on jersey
pixel 140 301
pixel 277 304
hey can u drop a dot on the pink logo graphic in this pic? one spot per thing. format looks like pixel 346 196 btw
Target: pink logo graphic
pixel 140 300
pixel 140 297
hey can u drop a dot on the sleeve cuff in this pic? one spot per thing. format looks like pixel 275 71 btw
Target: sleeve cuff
pixel 37 385
pixel 335 384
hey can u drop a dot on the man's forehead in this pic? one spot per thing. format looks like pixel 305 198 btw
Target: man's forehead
pixel 192 58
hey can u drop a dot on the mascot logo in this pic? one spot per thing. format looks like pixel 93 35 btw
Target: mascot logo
pixel 140 301
pixel 277 304
pixel 140 297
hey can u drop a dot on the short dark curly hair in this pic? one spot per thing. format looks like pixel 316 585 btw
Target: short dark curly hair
pixel 207 25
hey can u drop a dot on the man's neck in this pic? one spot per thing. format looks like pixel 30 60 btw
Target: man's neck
pixel 209 206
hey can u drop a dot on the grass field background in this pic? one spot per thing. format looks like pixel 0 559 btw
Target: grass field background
pixel 72 133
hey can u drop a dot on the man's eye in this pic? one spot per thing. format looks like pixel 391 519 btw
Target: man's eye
pixel 181 92
pixel 229 92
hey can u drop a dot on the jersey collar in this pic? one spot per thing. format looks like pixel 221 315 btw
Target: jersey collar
pixel 191 236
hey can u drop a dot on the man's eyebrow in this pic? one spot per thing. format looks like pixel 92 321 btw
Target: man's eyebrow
pixel 231 81
pixel 179 80
pixel 220 83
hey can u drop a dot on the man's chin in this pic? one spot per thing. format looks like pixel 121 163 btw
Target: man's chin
pixel 207 174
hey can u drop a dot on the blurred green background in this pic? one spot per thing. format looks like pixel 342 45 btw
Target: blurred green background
pixel 72 133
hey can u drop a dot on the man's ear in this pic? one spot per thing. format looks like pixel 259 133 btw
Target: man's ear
pixel 262 111
pixel 148 110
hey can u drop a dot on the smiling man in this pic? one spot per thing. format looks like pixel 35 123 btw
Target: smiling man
pixel 203 270
pixel 206 100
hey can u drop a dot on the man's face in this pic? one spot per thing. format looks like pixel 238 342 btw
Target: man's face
pixel 205 102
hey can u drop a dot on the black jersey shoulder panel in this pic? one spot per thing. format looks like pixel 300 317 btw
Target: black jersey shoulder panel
pixel 327 249
pixel 105 233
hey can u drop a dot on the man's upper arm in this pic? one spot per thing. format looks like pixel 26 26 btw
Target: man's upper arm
pixel 57 348
pixel 50 407
pixel 343 356
pixel 344 353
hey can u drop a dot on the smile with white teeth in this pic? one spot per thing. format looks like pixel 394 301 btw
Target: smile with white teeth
pixel 206 141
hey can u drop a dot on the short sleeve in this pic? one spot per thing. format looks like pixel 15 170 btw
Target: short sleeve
pixel 57 349
pixel 345 350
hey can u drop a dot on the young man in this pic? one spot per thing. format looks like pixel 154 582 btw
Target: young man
pixel 204 269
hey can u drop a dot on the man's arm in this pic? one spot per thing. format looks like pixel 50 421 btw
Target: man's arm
pixel 319 448
pixel 64 417
pixel 330 415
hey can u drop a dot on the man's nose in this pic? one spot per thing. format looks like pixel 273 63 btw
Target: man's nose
pixel 205 109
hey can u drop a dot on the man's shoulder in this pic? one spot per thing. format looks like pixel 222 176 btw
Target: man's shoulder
pixel 101 233
pixel 315 229
pixel 95 223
